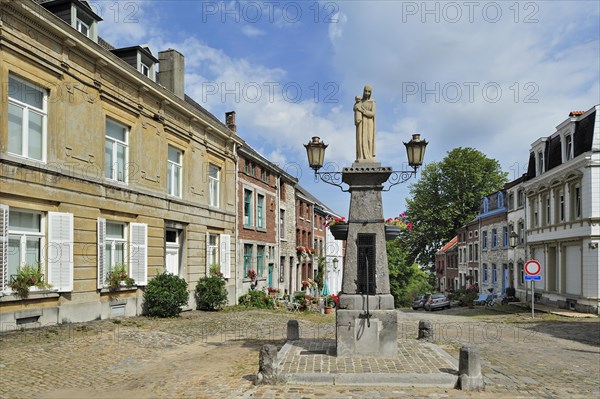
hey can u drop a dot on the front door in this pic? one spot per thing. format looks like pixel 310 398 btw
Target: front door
pixel 270 277
pixel 172 252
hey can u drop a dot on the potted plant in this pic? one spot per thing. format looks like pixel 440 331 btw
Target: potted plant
pixel 251 275
pixel 394 226
pixel 273 292
pixel 118 278
pixel 338 227
pixel 329 304
pixel 27 276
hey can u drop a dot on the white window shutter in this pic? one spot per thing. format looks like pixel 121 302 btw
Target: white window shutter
pixel 207 258
pixel 60 250
pixel 138 252
pixel 225 240
pixel 3 247
pixel 101 252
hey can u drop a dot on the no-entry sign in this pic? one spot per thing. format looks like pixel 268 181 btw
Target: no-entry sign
pixel 533 267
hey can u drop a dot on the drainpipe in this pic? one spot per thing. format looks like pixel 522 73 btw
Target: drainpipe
pixel 238 284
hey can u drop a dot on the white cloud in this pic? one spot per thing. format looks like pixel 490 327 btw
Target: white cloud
pixel 252 31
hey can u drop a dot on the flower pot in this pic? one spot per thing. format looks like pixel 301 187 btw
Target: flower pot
pixel 328 310
pixel 391 232
pixel 339 231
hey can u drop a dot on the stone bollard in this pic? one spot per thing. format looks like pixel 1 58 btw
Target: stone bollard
pixel 469 369
pixel 268 366
pixel 293 330
pixel 425 330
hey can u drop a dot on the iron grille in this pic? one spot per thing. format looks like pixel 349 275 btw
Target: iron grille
pixel 366 275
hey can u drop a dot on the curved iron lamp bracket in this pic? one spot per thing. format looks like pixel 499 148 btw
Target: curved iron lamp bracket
pixel 399 177
pixel 333 178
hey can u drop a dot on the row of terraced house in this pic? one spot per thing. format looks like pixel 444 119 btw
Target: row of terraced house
pixel 104 160
pixel 553 213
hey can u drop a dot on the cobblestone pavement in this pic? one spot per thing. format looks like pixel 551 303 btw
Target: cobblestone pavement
pixel 215 355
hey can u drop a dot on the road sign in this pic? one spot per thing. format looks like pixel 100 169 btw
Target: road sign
pixel 535 278
pixel 532 267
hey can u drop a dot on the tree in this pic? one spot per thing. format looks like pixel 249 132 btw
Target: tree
pixel 447 197
pixel 407 280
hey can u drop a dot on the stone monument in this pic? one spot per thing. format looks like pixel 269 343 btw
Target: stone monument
pixel 366 321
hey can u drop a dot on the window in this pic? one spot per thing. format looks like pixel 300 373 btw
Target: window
pixel 470 234
pixel 568 147
pixel 116 151
pixel 247 207
pixel 260 211
pixel 282 224
pixel 486 204
pixel 540 159
pixel 213 177
pixel 494 238
pixel 576 196
pixel 500 200
pixel 145 69
pixel 485 273
pixel 82 27
pixel 263 175
pixel 27 115
pixel 494 276
pixel 505 236
pixel 476 233
pixel 213 250
pixel 520 198
pixel 115 245
pixel 484 240
pixel 511 201
pixel 476 250
pixel 260 260
pixel 247 258
pixel 521 232
pixel 470 253
pixel 25 240
pixel 247 167
pixel 174 172
pixel 125 244
pixel 547 218
pixel 561 206
pixel 521 268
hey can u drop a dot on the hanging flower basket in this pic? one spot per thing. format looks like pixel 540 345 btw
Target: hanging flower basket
pixel 391 232
pixel 339 231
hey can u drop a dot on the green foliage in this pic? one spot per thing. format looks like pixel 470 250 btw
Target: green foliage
pixel 27 276
pixel 164 296
pixel 256 299
pixel 319 278
pixel 446 197
pixel 407 280
pixel 211 293
pixel 118 275
pixel 215 270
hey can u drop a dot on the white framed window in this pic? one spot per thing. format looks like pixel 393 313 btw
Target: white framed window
pixel 218 248
pixel 213 250
pixel 568 147
pixel 213 178
pixel 248 208
pixel 282 224
pixel 27 119
pixel 576 201
pixel 24 235
pixel 174 175
pixel 82 27
pixel 122 243
pixel 116 151
pixel 145 69
pixel 25 240
pixel 260 211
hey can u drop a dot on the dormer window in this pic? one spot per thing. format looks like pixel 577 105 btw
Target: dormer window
pixel 78 14
pixel 145 69
pixel 140 58
pixel 486 205
pixel 540 159
pixel 568 147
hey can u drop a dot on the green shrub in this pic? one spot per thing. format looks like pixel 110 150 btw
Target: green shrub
pixel 256 299
pixel 27 276
pixel 211 293
pixel 164 296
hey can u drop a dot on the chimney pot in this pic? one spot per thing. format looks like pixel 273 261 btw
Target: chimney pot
pixel 230 121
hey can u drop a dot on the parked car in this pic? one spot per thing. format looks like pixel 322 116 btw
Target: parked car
pixel 436 301
pixel 419 302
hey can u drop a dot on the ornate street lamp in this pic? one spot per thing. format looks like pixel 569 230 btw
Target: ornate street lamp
pixel 315 150
pixel 415 151
pixel 513 239
pixel 335 263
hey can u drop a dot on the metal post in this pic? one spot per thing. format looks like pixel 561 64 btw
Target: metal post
pixel 532 298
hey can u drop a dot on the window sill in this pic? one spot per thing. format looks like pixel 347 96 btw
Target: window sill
pixel 33 294
pixel 106 290
pixel 261 229
pixel 248 227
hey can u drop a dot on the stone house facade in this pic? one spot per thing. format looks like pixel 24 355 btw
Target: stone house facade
pixel 516 216
pixel 101 166
pixel 493 233
pixel 563 212
pixel 473 252
pixel 446 260
pixel 287 233
pixel 305 257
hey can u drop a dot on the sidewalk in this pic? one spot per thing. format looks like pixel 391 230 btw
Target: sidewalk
pixel 559 312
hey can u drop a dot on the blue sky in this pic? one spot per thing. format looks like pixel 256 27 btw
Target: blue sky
pixel 490 75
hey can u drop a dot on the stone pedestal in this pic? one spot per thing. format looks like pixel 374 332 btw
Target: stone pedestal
pixel 366 321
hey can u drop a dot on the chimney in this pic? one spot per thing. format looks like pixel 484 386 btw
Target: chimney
pixel 171 70
pixel 230 121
